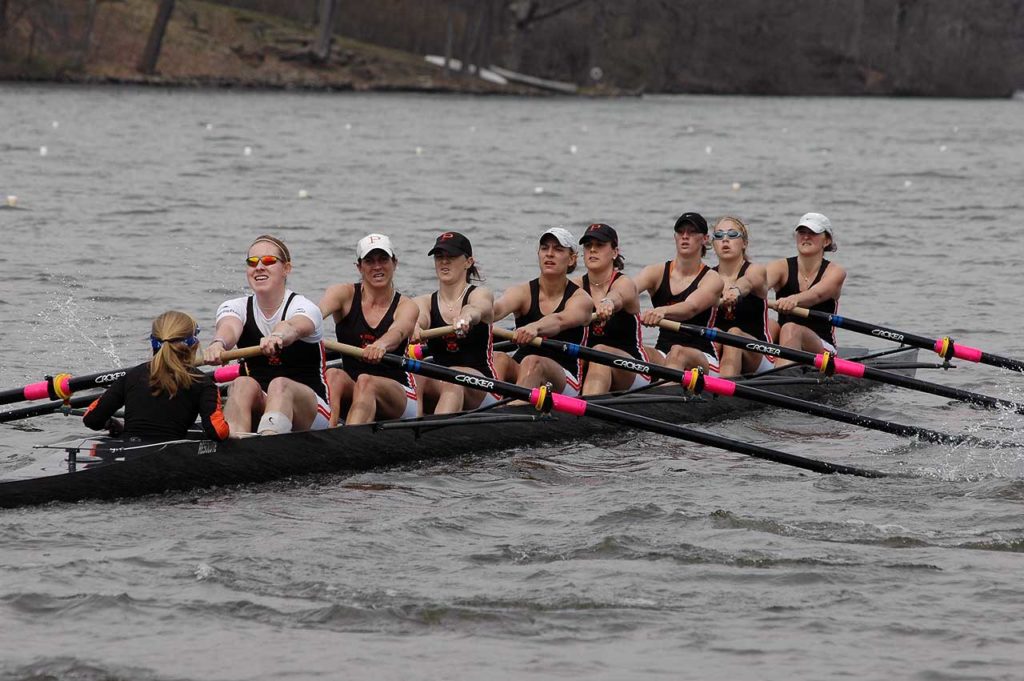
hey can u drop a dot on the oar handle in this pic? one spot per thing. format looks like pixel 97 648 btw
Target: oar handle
pixel 796 311
pixel 436 332
pixel 241 353
pixel 509 334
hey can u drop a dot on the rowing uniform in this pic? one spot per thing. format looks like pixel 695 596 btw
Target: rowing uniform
pixel 474 351
pixel 621 331
pixel 749 315
pixel 304 361
pixel 664 297
pixel 353 329
pixel 159 417
pixel 825 331
pixel 573 368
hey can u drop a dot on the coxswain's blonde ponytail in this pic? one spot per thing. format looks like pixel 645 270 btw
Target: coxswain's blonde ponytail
pixel 175 343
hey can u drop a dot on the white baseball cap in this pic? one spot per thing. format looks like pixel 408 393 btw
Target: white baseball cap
pixel 563 236
pixel 373 242
pixel 818 223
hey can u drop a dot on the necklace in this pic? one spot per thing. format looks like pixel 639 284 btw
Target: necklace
pixel 458 299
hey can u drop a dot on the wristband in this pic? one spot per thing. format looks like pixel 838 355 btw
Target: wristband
pixel 220 340
pixel 277 334
pixel 606 299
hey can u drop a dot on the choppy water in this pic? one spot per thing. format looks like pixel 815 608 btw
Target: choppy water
pixel 635 558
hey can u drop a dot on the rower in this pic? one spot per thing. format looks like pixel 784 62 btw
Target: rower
pixel 616 328
pixel 743 309
pixel 372 315
pixel 285 388
pixel 684 290
pixel 163 397
pixel 808 280
pixel 549 306
pixel 468 308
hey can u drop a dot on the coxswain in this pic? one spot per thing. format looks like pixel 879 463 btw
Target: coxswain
pixel 743 309
pixel 285 389
pixel 372 315
pixel 469 309
pixel 616 327
pixel 163 397
pixel 550 306
pixel 683 289
pixel 808 280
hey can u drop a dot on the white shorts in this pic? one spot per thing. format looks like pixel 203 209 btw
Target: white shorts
pixel 572 386
pixel 765 365
pixel 712 360
pixel 412 407
pixel 639 381
pixel 322 420
pixel 323 415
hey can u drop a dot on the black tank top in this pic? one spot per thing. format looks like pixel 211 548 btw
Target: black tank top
pixel 750 314
pixel 577 334
pixel 473 351
pixel 663 296
pixel 354 330
pixel 821 327
pixel 622 330
pixel 302 362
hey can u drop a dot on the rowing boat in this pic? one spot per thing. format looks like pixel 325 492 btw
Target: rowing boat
pixel 107 468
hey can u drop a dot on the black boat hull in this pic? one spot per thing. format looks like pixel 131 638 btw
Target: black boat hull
pixel 122 469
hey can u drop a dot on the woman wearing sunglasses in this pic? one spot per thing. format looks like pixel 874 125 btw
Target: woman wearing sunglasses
pixel 743 309
pixel 285 388
pixel 163 397
pixel 372 315
pixel 468 308
pixel 807 280
pixel 616 328
pixel 683 289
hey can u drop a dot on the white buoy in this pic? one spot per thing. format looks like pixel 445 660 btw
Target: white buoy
pixel 472 128
pixel 348 126
pixel 707 149
pixel 247 151
pixel 956 128
pixel 419 151
pixel 907 183
pixel 689 130
pixel 573 149
pixel 11 200
pixel 55 124
pixel 735 186
pixel 303 194
pixel 209 126
pixel 785 130
pixel 538 190
pixel 583 128
pixel 943 148
pixel 43 151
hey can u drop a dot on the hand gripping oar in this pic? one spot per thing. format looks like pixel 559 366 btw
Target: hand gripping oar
pixel 544 400
pixel 63 386
pixel 696 382
pixel 944 347
pixel 829 364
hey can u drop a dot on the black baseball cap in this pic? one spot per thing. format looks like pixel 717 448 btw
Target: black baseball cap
pixel 452 243
pixel 695 219
pixel 601 232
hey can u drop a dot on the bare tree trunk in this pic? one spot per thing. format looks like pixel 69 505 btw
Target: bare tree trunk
pixel 86 44
pixel 328 15
pixel 150 56
pixel 449 38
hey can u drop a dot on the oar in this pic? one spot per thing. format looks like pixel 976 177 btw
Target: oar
pixel 829 364
pixel 944 347
pixel 696 382
pixel 544 400
pixel 46 408
pixel 63 386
